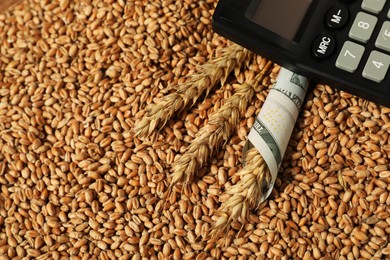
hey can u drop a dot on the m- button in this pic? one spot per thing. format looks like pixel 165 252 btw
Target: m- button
pixel 323 46
pixel 337 17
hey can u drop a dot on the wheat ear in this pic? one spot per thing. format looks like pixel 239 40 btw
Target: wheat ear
pixel 207 76
pixel 219 128
pixel 245 195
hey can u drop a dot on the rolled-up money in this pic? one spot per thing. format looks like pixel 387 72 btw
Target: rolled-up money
pixel 273 126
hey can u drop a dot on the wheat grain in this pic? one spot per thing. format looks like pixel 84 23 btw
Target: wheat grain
pixel 187 93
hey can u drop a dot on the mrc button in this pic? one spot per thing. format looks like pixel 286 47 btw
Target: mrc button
pixel 323 46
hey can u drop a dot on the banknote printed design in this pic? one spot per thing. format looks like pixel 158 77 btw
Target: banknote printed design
pixel 297 80
pixel 272 129
pixel 266 135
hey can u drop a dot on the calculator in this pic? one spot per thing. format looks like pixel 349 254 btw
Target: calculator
pixel 345 44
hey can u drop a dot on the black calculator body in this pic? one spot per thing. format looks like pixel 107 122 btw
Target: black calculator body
pixel 342 43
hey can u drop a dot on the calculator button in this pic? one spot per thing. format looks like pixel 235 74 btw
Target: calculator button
pixel 383 40
pixel 362 27
pixel 374 6
pixel 337 17
pixel 350 56
pixel 376 66
pixel 323 46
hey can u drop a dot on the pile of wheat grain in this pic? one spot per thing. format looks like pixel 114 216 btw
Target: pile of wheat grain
pixel 75 79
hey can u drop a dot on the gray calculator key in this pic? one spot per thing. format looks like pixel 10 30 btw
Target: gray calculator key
pixel 374 6
pixel 377 66
pixel 350 56
pixel 362 27
pixel 383 40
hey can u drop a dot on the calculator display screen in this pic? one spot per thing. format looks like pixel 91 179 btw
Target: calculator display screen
pixel 283 17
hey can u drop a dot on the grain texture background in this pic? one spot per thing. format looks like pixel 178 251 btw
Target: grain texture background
pixel 75 78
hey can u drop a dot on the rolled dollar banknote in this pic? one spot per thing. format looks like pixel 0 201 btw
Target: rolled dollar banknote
pixel 273 126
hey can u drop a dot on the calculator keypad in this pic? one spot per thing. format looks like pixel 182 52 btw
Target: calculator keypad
pixel 377 65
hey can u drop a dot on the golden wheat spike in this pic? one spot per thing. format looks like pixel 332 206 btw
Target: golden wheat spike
pixel 219 128
pixel 245 195
pixel 207 76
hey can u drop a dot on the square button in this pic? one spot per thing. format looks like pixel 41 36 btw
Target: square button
pixel 350 56
pixel 377 66
pixel 374 6
pixel 362 27
pixel 383 40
